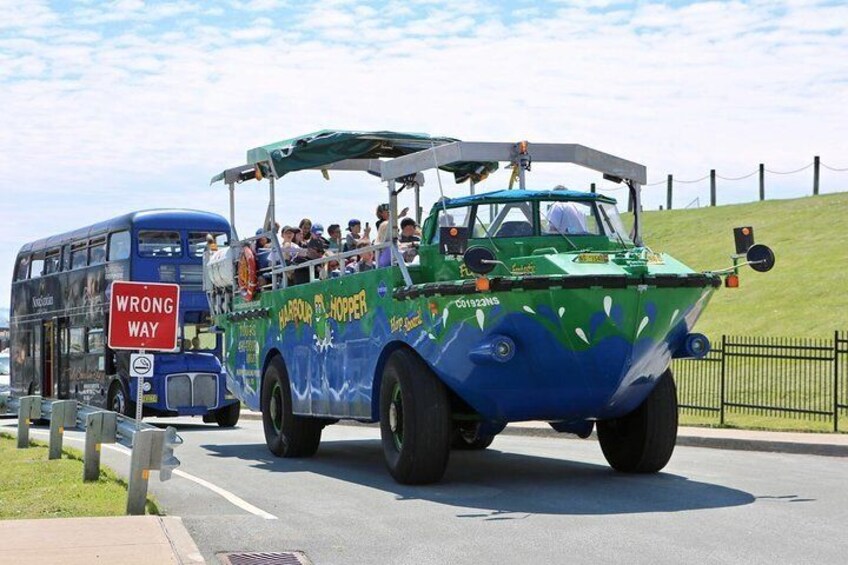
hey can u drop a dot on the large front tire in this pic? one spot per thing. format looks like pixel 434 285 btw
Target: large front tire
pixel 415 420
pixel 287 435
pixel 468 438
pixel 119 401
pixel 228 416
pixel 643 441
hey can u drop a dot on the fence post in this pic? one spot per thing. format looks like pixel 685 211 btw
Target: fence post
pixel 100 428
pixel 139 471
pixel 816 165
pixel 592 188
pixel 712 187
pixel 670 182
pixel 64 413
pixel 30 408
pixel 835 379
pixel 762 182
pixel 723 374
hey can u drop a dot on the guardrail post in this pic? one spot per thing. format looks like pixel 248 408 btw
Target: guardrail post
pixel 140 470
pixel 64 414
pixel 30 409
pixel 100 428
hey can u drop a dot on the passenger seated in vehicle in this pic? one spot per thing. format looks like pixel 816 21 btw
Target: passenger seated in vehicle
pixel 331 268
pixel 336 241
pixel 566 218
pixel 314 250
pixel 354 227
pixel 289 248
pixel 303 236
pixel 409 240
pixel 366 259
pixel 384 256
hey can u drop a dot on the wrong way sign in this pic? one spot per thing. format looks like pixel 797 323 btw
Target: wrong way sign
pixel 144 316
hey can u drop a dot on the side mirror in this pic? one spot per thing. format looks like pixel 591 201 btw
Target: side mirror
pixel 760 257
pixel 479 260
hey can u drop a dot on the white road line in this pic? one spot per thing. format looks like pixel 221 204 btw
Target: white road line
pixel 243 504
pixel 227 495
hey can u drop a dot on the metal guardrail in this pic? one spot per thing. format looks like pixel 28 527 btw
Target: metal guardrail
pixel 152 448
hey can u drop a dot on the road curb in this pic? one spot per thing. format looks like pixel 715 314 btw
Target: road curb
pixel 181 541
pixel 731 443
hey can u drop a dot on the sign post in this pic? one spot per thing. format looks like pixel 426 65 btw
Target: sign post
pixel 143 317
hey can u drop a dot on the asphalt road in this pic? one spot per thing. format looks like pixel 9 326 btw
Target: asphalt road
pixel 524 500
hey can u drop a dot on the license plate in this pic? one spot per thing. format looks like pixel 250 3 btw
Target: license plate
pixel 150 399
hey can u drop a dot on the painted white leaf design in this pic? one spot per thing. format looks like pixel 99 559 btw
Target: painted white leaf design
pixel 445 317
pixel 673 317
pixel 607 305
pixel 481 318
pixel 561 311
pixel 642 325
pixel 528 309
pixel 581 334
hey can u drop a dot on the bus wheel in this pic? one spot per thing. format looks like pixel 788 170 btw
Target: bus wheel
pixel 468 438
pixel 643 441
pixel 228 416
pixel 414 420
pixel 119 400
pixel 287 435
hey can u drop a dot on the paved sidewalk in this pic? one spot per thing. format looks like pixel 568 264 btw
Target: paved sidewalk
pixel 125 540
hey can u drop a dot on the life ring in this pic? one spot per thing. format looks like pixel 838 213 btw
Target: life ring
pixel 247 273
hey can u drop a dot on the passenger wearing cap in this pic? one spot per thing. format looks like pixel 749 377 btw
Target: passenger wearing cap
pixel 318 231
pixel 408 231
pixel 289 248
pixel 383 214
pixel 354 227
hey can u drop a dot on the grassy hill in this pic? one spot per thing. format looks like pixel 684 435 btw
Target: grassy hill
pixel 805 295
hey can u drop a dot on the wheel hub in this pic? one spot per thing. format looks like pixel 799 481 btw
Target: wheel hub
pixel 393 419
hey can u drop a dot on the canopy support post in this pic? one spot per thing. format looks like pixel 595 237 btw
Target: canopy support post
pixel 232 187
pixel 472 186
pixel 394 252
pixel 522 178
pixel 272 205
pixel 636 198
pixel 417 204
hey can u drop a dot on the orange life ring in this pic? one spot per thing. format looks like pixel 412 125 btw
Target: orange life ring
pixel 247 273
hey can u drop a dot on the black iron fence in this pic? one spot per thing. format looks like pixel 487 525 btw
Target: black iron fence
pixel 773 377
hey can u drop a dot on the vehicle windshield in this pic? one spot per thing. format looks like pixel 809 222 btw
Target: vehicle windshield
pixel 4 366
pixel 197 337
pixel 520 219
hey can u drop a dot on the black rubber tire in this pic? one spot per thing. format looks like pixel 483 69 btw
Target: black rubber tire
pixel 469 438
pixel 286 435
pixel 416 432
pixel 643 441
pixel 228 416
pixel 118 399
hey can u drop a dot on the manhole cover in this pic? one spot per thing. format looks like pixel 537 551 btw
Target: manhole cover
pixel 265 558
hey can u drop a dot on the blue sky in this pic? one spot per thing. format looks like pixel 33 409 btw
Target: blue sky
pixel 107 107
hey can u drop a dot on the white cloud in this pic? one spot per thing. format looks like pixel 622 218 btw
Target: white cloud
pixel 109 108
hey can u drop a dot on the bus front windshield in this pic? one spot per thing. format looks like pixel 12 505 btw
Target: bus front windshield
pixel 197 337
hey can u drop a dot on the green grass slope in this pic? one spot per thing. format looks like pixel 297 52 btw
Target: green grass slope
pixel 805 295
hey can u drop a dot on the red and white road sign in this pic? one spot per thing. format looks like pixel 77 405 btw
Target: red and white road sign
pixel 144 316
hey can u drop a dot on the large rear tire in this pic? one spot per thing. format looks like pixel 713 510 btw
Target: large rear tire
pixel 286 434
pixel 415 420
pixel 228 416
pixel 643 441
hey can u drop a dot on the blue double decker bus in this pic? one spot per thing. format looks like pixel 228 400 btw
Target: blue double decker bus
pixel 59 315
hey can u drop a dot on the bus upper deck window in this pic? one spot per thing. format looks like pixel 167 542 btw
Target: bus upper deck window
pixel 52 263
pixel 97 251
pixel 159 243
pixel 79 256
pixel 197 242
pixel 37 267
pixel 119 246
pixel 23 269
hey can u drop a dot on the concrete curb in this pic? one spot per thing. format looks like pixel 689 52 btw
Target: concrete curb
pixel 181 541
pixel 833 445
